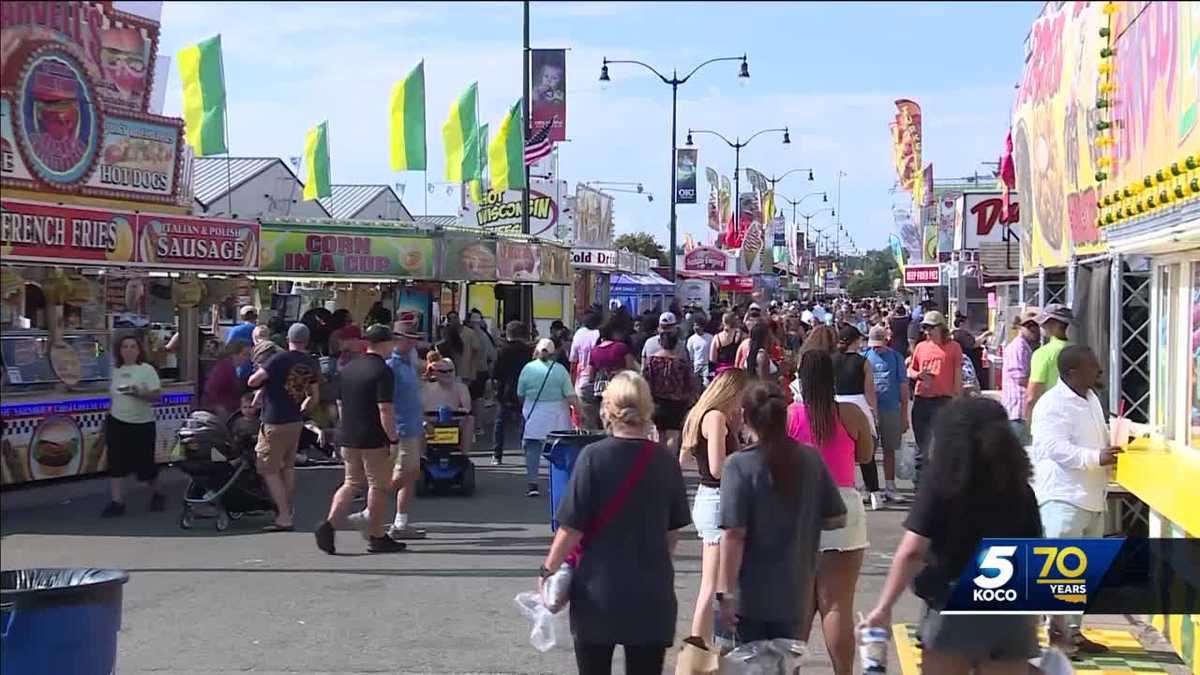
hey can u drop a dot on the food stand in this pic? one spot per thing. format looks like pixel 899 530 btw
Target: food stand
pixel 95 236
pixel 592 270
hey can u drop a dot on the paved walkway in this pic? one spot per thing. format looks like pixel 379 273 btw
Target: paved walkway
pixel 201 602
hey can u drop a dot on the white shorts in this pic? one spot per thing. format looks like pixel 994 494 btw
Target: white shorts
pixel 706 514
pixel 853 536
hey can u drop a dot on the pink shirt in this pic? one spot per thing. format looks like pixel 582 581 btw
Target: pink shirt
pixel 838 453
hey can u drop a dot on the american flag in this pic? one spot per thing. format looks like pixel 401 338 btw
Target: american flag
pixel 539 145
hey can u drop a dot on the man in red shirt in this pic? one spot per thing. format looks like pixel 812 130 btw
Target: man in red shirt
pixel 937 367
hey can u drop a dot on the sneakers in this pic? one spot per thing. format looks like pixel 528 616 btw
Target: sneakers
pixel 158 502
pixel 893 497
pixel 385 545
pixel 401 533
pixel 876 500
pixel 325 537
pixel 532 491
pixel 497 460
pixel 113 510
pixel 358 521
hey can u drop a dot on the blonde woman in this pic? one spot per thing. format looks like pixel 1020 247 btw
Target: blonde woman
pixel 709 435
pixel 623 590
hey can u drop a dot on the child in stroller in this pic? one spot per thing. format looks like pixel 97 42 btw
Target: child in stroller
pixel 220 461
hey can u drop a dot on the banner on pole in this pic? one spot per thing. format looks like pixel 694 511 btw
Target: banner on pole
pixel 685 175
pixel 549 93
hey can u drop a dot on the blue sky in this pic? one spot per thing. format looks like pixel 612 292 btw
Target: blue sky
pixel 828 71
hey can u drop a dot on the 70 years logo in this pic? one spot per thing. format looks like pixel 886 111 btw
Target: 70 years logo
pixel 1032 576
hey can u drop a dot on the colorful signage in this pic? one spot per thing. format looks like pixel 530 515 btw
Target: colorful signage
pixel 979 220
pixel 594 259
pixel 52 233
pixel 593 218
pixel 737 284
pixel 705 259
pixel 346 255
pixel 549 91
pixel 117 49
pixel 916 276
pixel 685 175
pixel 468 259
pixel 556 264
pixel 206 243
pixel 517 261
pixel 501 211
pixel 137 157
pixel 57 119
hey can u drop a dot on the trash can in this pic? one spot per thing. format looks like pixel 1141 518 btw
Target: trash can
pixel 561 450
pixel 60 620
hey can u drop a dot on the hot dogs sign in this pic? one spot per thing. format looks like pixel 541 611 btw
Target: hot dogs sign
pixel 51 233
pixel 76 78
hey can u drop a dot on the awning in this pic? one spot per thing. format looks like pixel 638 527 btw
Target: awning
pixel 640 284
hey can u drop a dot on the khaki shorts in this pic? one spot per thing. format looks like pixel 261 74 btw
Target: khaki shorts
pixel 368 466
pixel 277 444
pixel 409 457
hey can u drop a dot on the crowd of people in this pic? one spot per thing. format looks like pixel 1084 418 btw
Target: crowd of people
pixel 778 411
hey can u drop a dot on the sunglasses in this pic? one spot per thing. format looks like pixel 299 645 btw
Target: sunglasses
pixel 443 370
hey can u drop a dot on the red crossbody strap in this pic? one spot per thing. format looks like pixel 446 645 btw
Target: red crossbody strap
pixel 613 507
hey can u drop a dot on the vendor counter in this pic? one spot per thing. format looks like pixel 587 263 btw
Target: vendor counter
pixel 56 434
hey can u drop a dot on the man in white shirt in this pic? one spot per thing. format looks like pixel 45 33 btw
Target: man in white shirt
pixel 580 358
pixel 1070 454
pixel 698 346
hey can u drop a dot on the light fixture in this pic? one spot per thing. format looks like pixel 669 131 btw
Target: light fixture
pixel 689 138
pixel 604 79
pixel 787 140
pixel 810 175
pixel 833 213
pixel 824 197
pixel 640 189
pixel 744 73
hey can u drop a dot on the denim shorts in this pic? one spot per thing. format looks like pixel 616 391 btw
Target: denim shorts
pixel 706 514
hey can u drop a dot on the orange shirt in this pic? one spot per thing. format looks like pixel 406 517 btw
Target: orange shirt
pixel 943 361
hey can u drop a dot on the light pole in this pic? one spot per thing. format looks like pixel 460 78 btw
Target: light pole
pixel 737 162
pixel 797 202
pixel 773 180
pixel 621 186
pixel 674 81
pixel 820 231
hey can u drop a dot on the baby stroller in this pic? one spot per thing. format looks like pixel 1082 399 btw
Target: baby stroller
pixel 224 483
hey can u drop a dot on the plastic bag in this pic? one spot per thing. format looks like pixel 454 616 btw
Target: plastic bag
pixel 906 459
pixel 764 657
pixel 557 589
pixel 549 630
pixel 1054 662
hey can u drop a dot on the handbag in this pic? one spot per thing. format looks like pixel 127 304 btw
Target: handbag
pixel 559 583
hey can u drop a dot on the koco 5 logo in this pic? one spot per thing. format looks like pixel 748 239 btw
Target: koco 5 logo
pixel 1062 569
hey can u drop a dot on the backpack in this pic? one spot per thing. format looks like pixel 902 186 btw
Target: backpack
pixel 669 377
pixel 599 382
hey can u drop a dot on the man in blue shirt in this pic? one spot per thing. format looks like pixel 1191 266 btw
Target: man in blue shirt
pixel 410 429
pixel 244 331
pixel 891 394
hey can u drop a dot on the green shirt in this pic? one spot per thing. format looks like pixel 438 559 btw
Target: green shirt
pixel 1043 367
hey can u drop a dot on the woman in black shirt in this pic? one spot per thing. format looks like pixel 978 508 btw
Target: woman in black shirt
pixel 855 383
pixel 979 489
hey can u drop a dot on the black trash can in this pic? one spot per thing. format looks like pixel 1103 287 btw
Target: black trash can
pixel 562 448
pixel 60 620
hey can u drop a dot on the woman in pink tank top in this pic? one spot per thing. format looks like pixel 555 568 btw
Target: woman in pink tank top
pixel 841 433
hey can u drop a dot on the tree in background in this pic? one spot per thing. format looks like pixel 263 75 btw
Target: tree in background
pixel 878 271
pixel 642 244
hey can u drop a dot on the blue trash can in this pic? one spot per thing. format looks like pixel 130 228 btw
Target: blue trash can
pixel 562 448
pixel 61 621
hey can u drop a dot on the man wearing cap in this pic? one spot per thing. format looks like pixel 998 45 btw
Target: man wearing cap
pixel 289 381
pixel 1043 365
pixel 937 368
pixel 1015 377
pixel 891 399
pixel 667 323
pixel 244 331
pixel 367 434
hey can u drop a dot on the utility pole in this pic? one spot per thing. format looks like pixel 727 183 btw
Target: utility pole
pixel 526 110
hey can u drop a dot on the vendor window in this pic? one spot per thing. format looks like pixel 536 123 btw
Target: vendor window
pixel 1193 338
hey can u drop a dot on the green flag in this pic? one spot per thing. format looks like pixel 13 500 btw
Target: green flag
pixel 479 184
pixel 407 121
pixel 506 153
pixel 458 133
pixel 316 162
pixel 203 79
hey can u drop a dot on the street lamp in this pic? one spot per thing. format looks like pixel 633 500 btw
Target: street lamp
pixel 773 180
pixel 737 161
pixel 820 234
pixel 674 81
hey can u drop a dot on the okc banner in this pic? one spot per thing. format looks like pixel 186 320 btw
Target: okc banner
pixel 685 175
pixel 549 92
